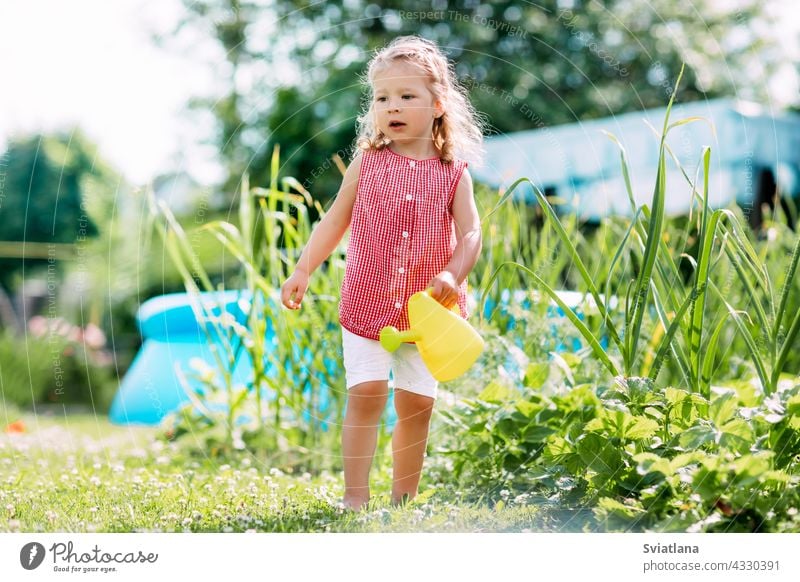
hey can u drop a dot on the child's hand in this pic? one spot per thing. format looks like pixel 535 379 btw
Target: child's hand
pixel 445 289
pixel 293 290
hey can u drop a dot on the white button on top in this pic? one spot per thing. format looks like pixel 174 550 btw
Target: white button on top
pixel 398 305
pixel 401 270
pixel 405 234
pixel 409 197
pixel 412 163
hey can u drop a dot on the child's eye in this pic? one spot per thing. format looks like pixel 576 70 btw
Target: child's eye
pixel 381 99
pixel 408 96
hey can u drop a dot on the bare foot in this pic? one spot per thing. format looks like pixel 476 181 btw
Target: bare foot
pixel 355 503
pixel 401 501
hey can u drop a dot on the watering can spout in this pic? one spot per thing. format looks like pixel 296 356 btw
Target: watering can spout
pixel 447 343
pixel 391 337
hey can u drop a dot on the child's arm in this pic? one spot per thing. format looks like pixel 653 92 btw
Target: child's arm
pixel 324 238
pixel 468 248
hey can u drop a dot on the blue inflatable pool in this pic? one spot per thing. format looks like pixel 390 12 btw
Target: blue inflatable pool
pixel 173 337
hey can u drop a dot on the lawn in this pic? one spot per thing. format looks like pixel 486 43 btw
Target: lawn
pixel 80 473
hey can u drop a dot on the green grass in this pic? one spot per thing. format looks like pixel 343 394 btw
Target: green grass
pixel 79 473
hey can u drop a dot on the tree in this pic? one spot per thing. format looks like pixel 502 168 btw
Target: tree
pixel 291 67
pixel 44 199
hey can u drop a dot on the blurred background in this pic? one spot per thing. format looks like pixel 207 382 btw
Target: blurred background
pixel 102 101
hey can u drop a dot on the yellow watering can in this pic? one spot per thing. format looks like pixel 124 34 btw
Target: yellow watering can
pixel 447 343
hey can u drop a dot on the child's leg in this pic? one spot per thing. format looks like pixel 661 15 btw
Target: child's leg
pixel 365 404
pixel 408 442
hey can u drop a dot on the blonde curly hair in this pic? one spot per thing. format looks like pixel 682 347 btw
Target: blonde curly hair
pixel 457 133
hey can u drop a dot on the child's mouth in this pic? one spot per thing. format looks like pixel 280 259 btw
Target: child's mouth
pixel 396 124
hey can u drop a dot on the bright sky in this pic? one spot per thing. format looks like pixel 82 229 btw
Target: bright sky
pixel 92 63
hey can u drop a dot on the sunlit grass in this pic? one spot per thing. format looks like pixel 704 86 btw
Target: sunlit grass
pixel 87 475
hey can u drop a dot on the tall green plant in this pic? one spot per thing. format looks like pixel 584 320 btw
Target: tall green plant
pixel 293 391
pixel 685 330
pixel 775 328
pixel 637 295
pixel 517 233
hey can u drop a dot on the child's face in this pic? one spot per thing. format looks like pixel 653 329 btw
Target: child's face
pixel 404 106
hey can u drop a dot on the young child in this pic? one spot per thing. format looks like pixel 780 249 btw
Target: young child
pixel 407 198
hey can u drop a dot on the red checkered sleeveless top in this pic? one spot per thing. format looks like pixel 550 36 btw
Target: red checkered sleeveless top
pixel 402 235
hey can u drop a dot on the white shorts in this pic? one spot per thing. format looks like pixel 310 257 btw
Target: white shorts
pixel 365 360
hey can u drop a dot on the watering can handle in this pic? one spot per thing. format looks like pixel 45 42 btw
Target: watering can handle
pixel 455 308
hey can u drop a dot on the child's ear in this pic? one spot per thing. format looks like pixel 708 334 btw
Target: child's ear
pixel 438 110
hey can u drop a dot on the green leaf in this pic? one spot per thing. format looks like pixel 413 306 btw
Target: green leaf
pixel 706 369
pixel 793 411
pixel 478 428
pixel 506 427
pixel 675 395
pixel 495 392
pixel 599 454
pixel 596 424
pixel 607 505
pixel 238 398
pixel 654 413
pixel 536 374
pixel 572 360
pixel 686 459
pixel 747 393
pixel 793 405
pixel 750 342
pixel 750 468
pixel 787 286
pixel 707 236
pixel 706 483
pixel 558 446
pixel 483 450
pixel 723 408
pixel 736 434
pixel 686 407
pixel 652 463
pixel 537 434
pixel 777 477
pixel 696 436
pixel 641 427
pixel 788 347
pixel 528 408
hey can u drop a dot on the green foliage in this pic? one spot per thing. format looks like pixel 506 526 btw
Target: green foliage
pixel 54 368
pixel 686 330
pixel 26 369
pixel 639 454
pixel 525 66
pixel 44 195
